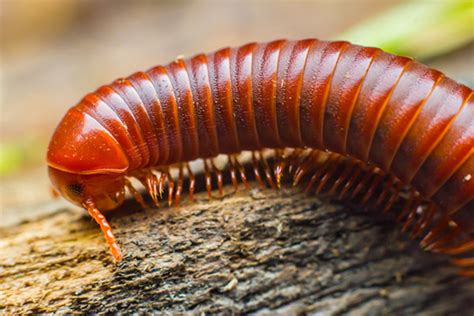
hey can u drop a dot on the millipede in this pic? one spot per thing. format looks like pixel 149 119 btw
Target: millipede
pixel 345 121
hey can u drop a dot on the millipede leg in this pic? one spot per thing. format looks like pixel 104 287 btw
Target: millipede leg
pixel 350 182
pixel 393 198
pixel 106 229
pixel 412 214
pixel 150 181
pixel 423 220
pixel 386 190
pixel 407 206
pixel 207 175
pixel 54 193
pixel 328 174
pixel 451 234
pixel 295 159
pixel 179 185
pixel 243 176
pixel 161 185
pixel 233 173
pixel 220 181
pixel 305 165
pixel 467 272
pixel 170 188
pixel 345 173
pixel 362 184
pixel 464 247
pixel 138 197
pixel 267 170
pixel 256 171
pixel 279 166
pixel 372 187
pixel 435 233
pixel 192 182
pixel 321 170
pixel 463 262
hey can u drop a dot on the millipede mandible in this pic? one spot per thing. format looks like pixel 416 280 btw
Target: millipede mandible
pixel 350 122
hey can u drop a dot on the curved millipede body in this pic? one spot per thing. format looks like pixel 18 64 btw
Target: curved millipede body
pixel 352 122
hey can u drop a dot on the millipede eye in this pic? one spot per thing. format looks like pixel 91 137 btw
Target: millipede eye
pixel 75 188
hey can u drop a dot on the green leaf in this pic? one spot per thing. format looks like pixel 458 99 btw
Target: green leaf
pixel 420 29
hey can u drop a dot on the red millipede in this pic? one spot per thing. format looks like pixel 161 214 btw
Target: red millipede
pixel 355 122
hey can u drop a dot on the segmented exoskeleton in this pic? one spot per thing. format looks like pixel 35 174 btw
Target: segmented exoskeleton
pixel 352 122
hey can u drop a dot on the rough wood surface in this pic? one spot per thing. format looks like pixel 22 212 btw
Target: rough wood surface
pixel 262 252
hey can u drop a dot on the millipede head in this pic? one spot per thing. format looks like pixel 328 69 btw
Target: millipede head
pixel 86 162
pixel 107 191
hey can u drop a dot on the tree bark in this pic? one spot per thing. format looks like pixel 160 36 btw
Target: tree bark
pixel 262 252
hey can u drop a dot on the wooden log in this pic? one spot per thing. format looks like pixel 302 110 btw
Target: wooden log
pixel 263 252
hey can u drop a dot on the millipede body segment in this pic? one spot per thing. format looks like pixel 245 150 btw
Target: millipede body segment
pixel 352 122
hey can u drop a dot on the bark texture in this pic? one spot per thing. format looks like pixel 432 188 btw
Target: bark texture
pixel 263 252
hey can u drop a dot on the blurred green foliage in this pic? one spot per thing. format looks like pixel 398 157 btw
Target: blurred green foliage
pixel 26 152
pixel 420 28
pixel 10 158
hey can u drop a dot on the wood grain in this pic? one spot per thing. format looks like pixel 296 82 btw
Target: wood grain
pixel 262 252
